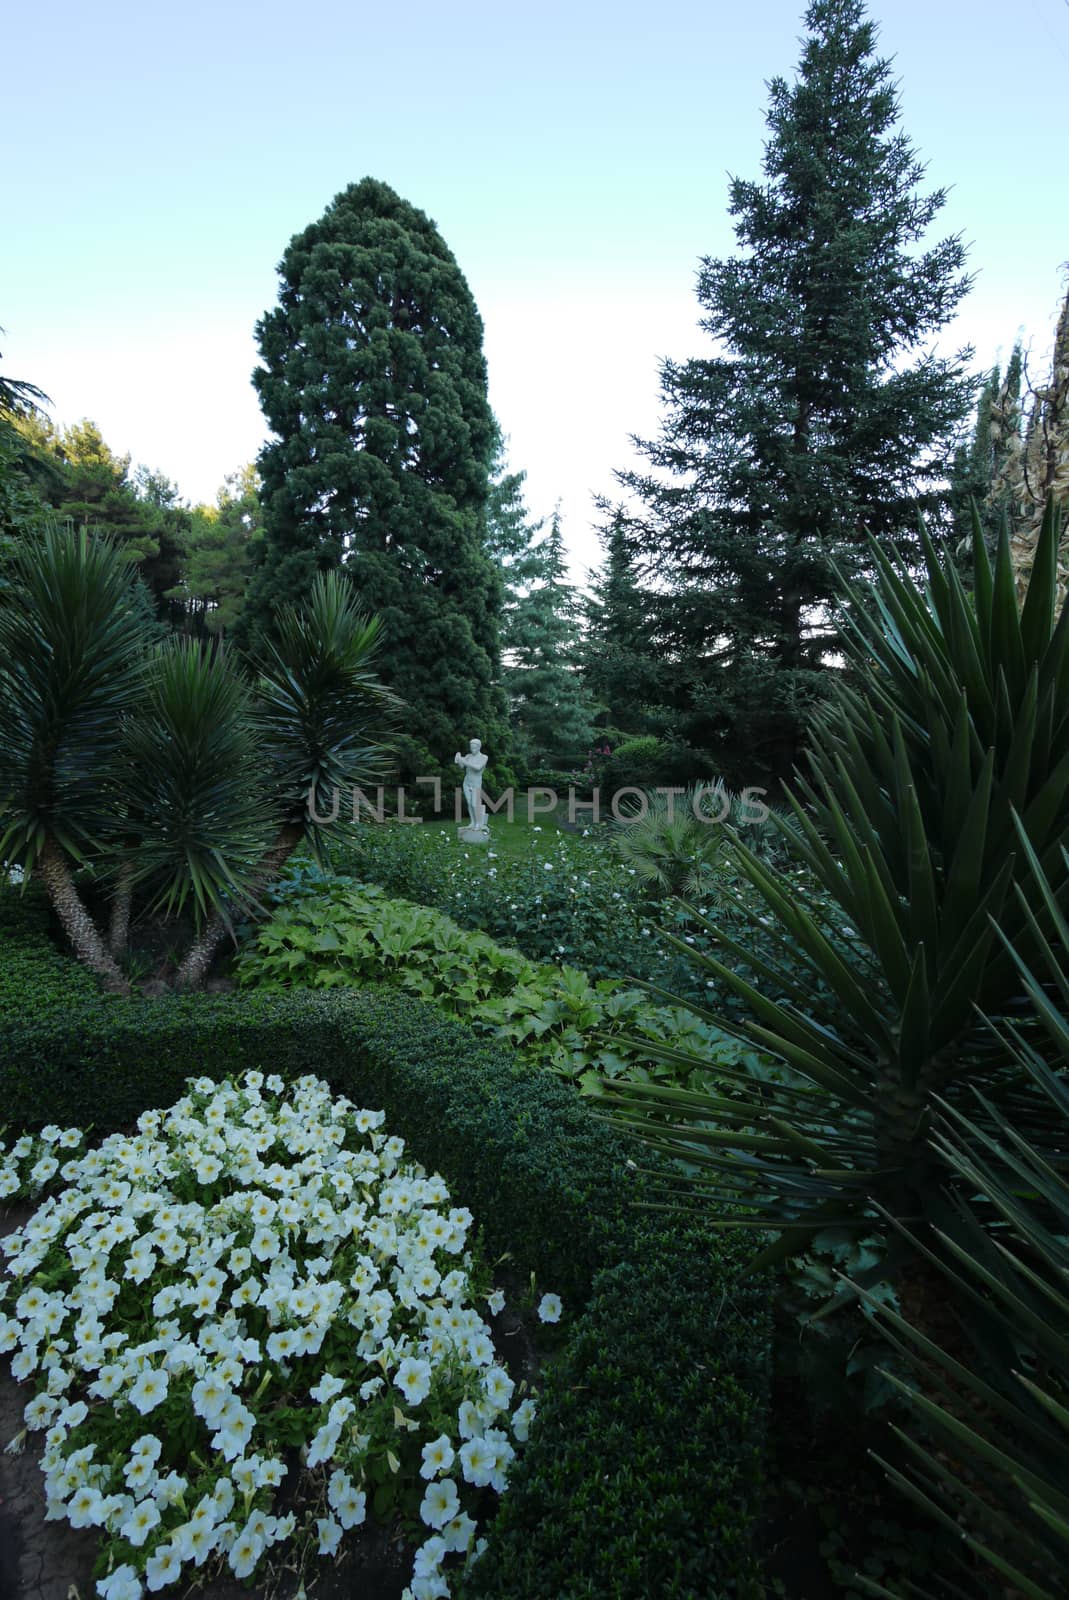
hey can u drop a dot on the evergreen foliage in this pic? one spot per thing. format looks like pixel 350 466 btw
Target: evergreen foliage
pixel 985 468
pixel 83 481
pixel 822 416
pixel 620 664
pixel 220 555
pixel 374 384
pixel 551 712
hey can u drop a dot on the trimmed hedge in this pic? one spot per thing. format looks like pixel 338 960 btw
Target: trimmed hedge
pixel 643 1477
pixel 35 978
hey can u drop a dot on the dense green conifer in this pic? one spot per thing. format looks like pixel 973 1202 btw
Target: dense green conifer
pixel 374 384
pixel 822 414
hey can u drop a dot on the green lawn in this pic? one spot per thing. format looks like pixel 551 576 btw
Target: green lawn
pixel 523 834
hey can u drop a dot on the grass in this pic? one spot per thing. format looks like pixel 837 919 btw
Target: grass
pixel 523 833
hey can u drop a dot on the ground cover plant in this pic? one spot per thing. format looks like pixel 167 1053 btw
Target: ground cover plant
pixel 255 1285
pixel 557 896
pixel 330 933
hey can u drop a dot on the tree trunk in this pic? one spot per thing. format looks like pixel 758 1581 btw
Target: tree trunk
pixel 204 949
pixel 119 925
pixel 75 920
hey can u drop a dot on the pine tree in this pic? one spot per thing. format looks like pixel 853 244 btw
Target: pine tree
pixel 621 666
pixel 374 384
pixel 511 536
pixel 826 417
pixel 551 712
pixel 88 485
pixel 219 562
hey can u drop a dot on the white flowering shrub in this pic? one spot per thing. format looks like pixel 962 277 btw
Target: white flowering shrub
pixel 250 1324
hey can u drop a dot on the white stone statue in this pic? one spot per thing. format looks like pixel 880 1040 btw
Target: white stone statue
pixel 477 831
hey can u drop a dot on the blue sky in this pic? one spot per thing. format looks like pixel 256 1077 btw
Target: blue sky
pixel 575 157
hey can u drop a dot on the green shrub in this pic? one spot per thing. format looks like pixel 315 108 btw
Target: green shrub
pixel 637 763
pixel 574 1524
pixel 35 977
pixel 329 934
pixel 584 908
pixel 650 1427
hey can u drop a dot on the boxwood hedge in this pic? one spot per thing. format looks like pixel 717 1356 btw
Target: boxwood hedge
pixel 643 1477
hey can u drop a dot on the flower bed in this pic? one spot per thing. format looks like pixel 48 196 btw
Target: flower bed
pixel 254 1287
pixel 567 898
pixel 644 1475
pixel 338 935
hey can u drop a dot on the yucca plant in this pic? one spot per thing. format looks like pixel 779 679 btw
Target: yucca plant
pixel 198 812
pixel 958 719
pixel 674 841
pixel 164 768
pixel 321 717
pixel 72 650
pixel 991 1461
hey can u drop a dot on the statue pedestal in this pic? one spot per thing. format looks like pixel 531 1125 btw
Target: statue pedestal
pixel 474 835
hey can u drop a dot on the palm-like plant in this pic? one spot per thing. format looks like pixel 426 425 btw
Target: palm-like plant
pixel 674 842
pixel 198 812
pixel 672 847
pixel 907 825
pixel 994 1459
pixel 72 649
pixel 321 717
pixel 164 768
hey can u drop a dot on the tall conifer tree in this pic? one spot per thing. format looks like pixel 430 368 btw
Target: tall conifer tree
pixel 823 415
pixel 374 384
pixel 551 711
pixel 621 666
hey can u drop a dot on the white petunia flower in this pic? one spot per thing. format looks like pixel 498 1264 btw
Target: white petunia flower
pixel 122 1584
pixel 139 1524
pixel 522 1418
pixel 478 1460
pixel 329 1535
pixel 549 1308
pixel 438 1457
pixel 149 1391
pixel 163 1567
pixel 429 1557
pixel 498 1387
pixel 413 1378
pixel 245 1552
pixel 440 1504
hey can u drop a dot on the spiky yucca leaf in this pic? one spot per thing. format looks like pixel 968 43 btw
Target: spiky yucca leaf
pixel 72 641
pixel 993 1458
pixel 323 712
pixel 960 720
pixel 198 812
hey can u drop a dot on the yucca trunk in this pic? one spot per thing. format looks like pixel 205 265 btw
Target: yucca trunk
pixel 204 949
pixel 74 918
pixel 901 1128
pixel 119 922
